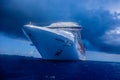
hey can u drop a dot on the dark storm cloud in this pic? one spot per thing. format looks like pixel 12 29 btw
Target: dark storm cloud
pixel 94 15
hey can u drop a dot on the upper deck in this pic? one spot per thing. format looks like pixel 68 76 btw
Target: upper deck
pixel 65 26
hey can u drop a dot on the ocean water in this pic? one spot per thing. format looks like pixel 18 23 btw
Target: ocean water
pixel 29 68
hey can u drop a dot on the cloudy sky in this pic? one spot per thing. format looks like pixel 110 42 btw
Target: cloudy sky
pixel 100 20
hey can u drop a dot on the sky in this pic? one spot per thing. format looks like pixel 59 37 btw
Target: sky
pixel 100 20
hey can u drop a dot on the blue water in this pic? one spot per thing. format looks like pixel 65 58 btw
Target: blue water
pixel 28 68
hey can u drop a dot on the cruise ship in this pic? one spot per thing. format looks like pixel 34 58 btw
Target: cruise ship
pixel 57 41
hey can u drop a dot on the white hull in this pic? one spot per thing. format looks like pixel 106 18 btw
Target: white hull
pixel 52 46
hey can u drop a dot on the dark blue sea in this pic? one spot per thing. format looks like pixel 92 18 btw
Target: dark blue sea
pixel 29 68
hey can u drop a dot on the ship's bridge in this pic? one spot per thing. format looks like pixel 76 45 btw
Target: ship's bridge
pixel 69 26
